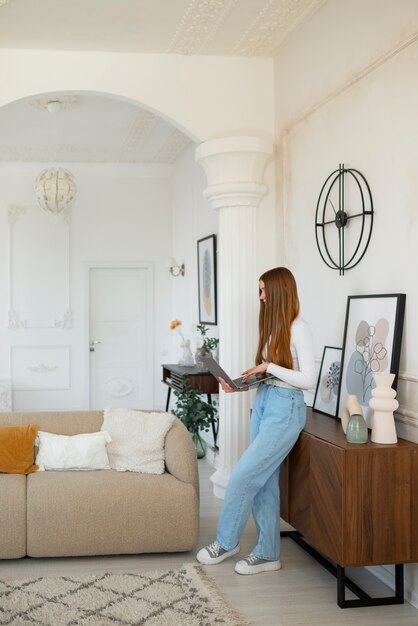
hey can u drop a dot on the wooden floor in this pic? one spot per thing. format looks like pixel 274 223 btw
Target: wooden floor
pixel 301 593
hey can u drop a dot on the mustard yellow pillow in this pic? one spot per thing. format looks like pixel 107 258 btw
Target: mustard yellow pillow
pixel 17 449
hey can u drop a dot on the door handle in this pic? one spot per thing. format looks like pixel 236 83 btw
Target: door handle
pixel 93 343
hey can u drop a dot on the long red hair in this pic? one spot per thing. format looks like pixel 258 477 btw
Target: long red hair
pixel 276 316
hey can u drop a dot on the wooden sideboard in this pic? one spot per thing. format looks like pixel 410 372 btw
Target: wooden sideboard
pixel 355 504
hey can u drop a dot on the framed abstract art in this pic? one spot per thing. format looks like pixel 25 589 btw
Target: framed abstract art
pixel 372 343
pixel 206 271
pixel 328 385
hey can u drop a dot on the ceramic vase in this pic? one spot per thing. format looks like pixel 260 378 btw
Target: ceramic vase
pixel 198 357
pixel 351 407
pixel 357 429
pixel 383 404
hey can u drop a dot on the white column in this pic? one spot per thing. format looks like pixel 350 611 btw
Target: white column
pixel 234 168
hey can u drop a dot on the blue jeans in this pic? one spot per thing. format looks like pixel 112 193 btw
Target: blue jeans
pixel 278 416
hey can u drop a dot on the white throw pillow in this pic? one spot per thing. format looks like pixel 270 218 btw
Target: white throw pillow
pixel 137 439
pixel 77 452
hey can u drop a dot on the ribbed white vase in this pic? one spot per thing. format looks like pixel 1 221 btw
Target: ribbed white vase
pixel 383 404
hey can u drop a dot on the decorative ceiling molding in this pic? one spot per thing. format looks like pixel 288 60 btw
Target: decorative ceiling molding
pixel 273 23
pixel 67 154
pixel 171 148
pixel 199 24
pixel 67 102
pixel 143 126
pixel 176 141
pixel 188 27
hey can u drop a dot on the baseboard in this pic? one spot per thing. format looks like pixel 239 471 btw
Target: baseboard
pixel 385 574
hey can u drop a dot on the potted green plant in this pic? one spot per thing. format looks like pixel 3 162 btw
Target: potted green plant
pixel 208 344
pixel 195 413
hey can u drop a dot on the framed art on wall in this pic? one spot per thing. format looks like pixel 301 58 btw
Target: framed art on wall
pixel 372 343
pixel 206 271
pixel 328 385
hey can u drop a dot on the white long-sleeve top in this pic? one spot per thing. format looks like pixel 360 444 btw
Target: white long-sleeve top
pixel 302 375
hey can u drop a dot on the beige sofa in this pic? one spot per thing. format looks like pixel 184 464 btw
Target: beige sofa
pixel 76 513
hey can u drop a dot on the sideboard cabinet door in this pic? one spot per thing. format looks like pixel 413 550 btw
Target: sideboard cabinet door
pixel 326 492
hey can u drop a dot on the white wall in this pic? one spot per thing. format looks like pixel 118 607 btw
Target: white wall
pixel 121 213
pixel 193 219
pixel 347 92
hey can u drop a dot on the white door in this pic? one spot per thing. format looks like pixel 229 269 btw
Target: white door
pixel 121 363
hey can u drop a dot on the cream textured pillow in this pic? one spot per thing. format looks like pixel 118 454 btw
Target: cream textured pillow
pixel 137 439
pixel 77 452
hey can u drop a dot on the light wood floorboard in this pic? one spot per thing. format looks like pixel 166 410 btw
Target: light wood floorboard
pixel 302 593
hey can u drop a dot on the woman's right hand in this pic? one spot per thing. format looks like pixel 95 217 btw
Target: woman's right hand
pixel 226 387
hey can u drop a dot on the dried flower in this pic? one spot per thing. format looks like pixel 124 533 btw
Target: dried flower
pixel 174 324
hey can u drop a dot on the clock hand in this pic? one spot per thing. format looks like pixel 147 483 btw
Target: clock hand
pixel 330 201
pixel 347 217
pixel 359 214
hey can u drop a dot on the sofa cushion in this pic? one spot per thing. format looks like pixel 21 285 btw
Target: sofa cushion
pixel 17 449
pixel 76 452
pixel 137 439
pixel 12 516
pixel 109 512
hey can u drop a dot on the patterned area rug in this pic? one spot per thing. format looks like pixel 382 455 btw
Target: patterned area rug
pixel 180 597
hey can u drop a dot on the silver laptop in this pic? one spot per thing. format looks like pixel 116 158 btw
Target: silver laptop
pixel 236 383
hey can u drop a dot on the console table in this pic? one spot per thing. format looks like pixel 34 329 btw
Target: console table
pixel 352 505
pixel 202 381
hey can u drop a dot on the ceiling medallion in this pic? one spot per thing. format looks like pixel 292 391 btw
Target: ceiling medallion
pixel 55 189
pixel 54 103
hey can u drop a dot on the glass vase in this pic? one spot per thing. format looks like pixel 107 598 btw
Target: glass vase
pixel 200 445
pixel 357 429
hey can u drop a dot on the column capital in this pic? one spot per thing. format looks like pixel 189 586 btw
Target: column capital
pixel 234 168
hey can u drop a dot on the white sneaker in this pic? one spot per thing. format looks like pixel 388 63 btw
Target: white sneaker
pixel 214 553
pixel 252 564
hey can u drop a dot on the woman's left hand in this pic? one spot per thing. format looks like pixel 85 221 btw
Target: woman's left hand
pixel 257 370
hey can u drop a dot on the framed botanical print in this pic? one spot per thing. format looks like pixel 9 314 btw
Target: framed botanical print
pixel 372 343
pixel 328 385
pixel 206 269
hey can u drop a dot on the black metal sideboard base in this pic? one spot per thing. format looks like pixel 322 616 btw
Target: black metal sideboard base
pixel 344 582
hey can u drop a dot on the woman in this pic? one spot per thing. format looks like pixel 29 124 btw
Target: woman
pixel 278 416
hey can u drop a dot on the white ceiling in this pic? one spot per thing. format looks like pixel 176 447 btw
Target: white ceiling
pixel 99 129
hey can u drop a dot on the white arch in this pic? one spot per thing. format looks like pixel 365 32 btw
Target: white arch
pixel 206 97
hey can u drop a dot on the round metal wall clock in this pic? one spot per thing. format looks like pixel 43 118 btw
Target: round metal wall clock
pixel 344 219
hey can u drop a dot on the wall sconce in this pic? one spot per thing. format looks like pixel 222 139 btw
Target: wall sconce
pixel 174 268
